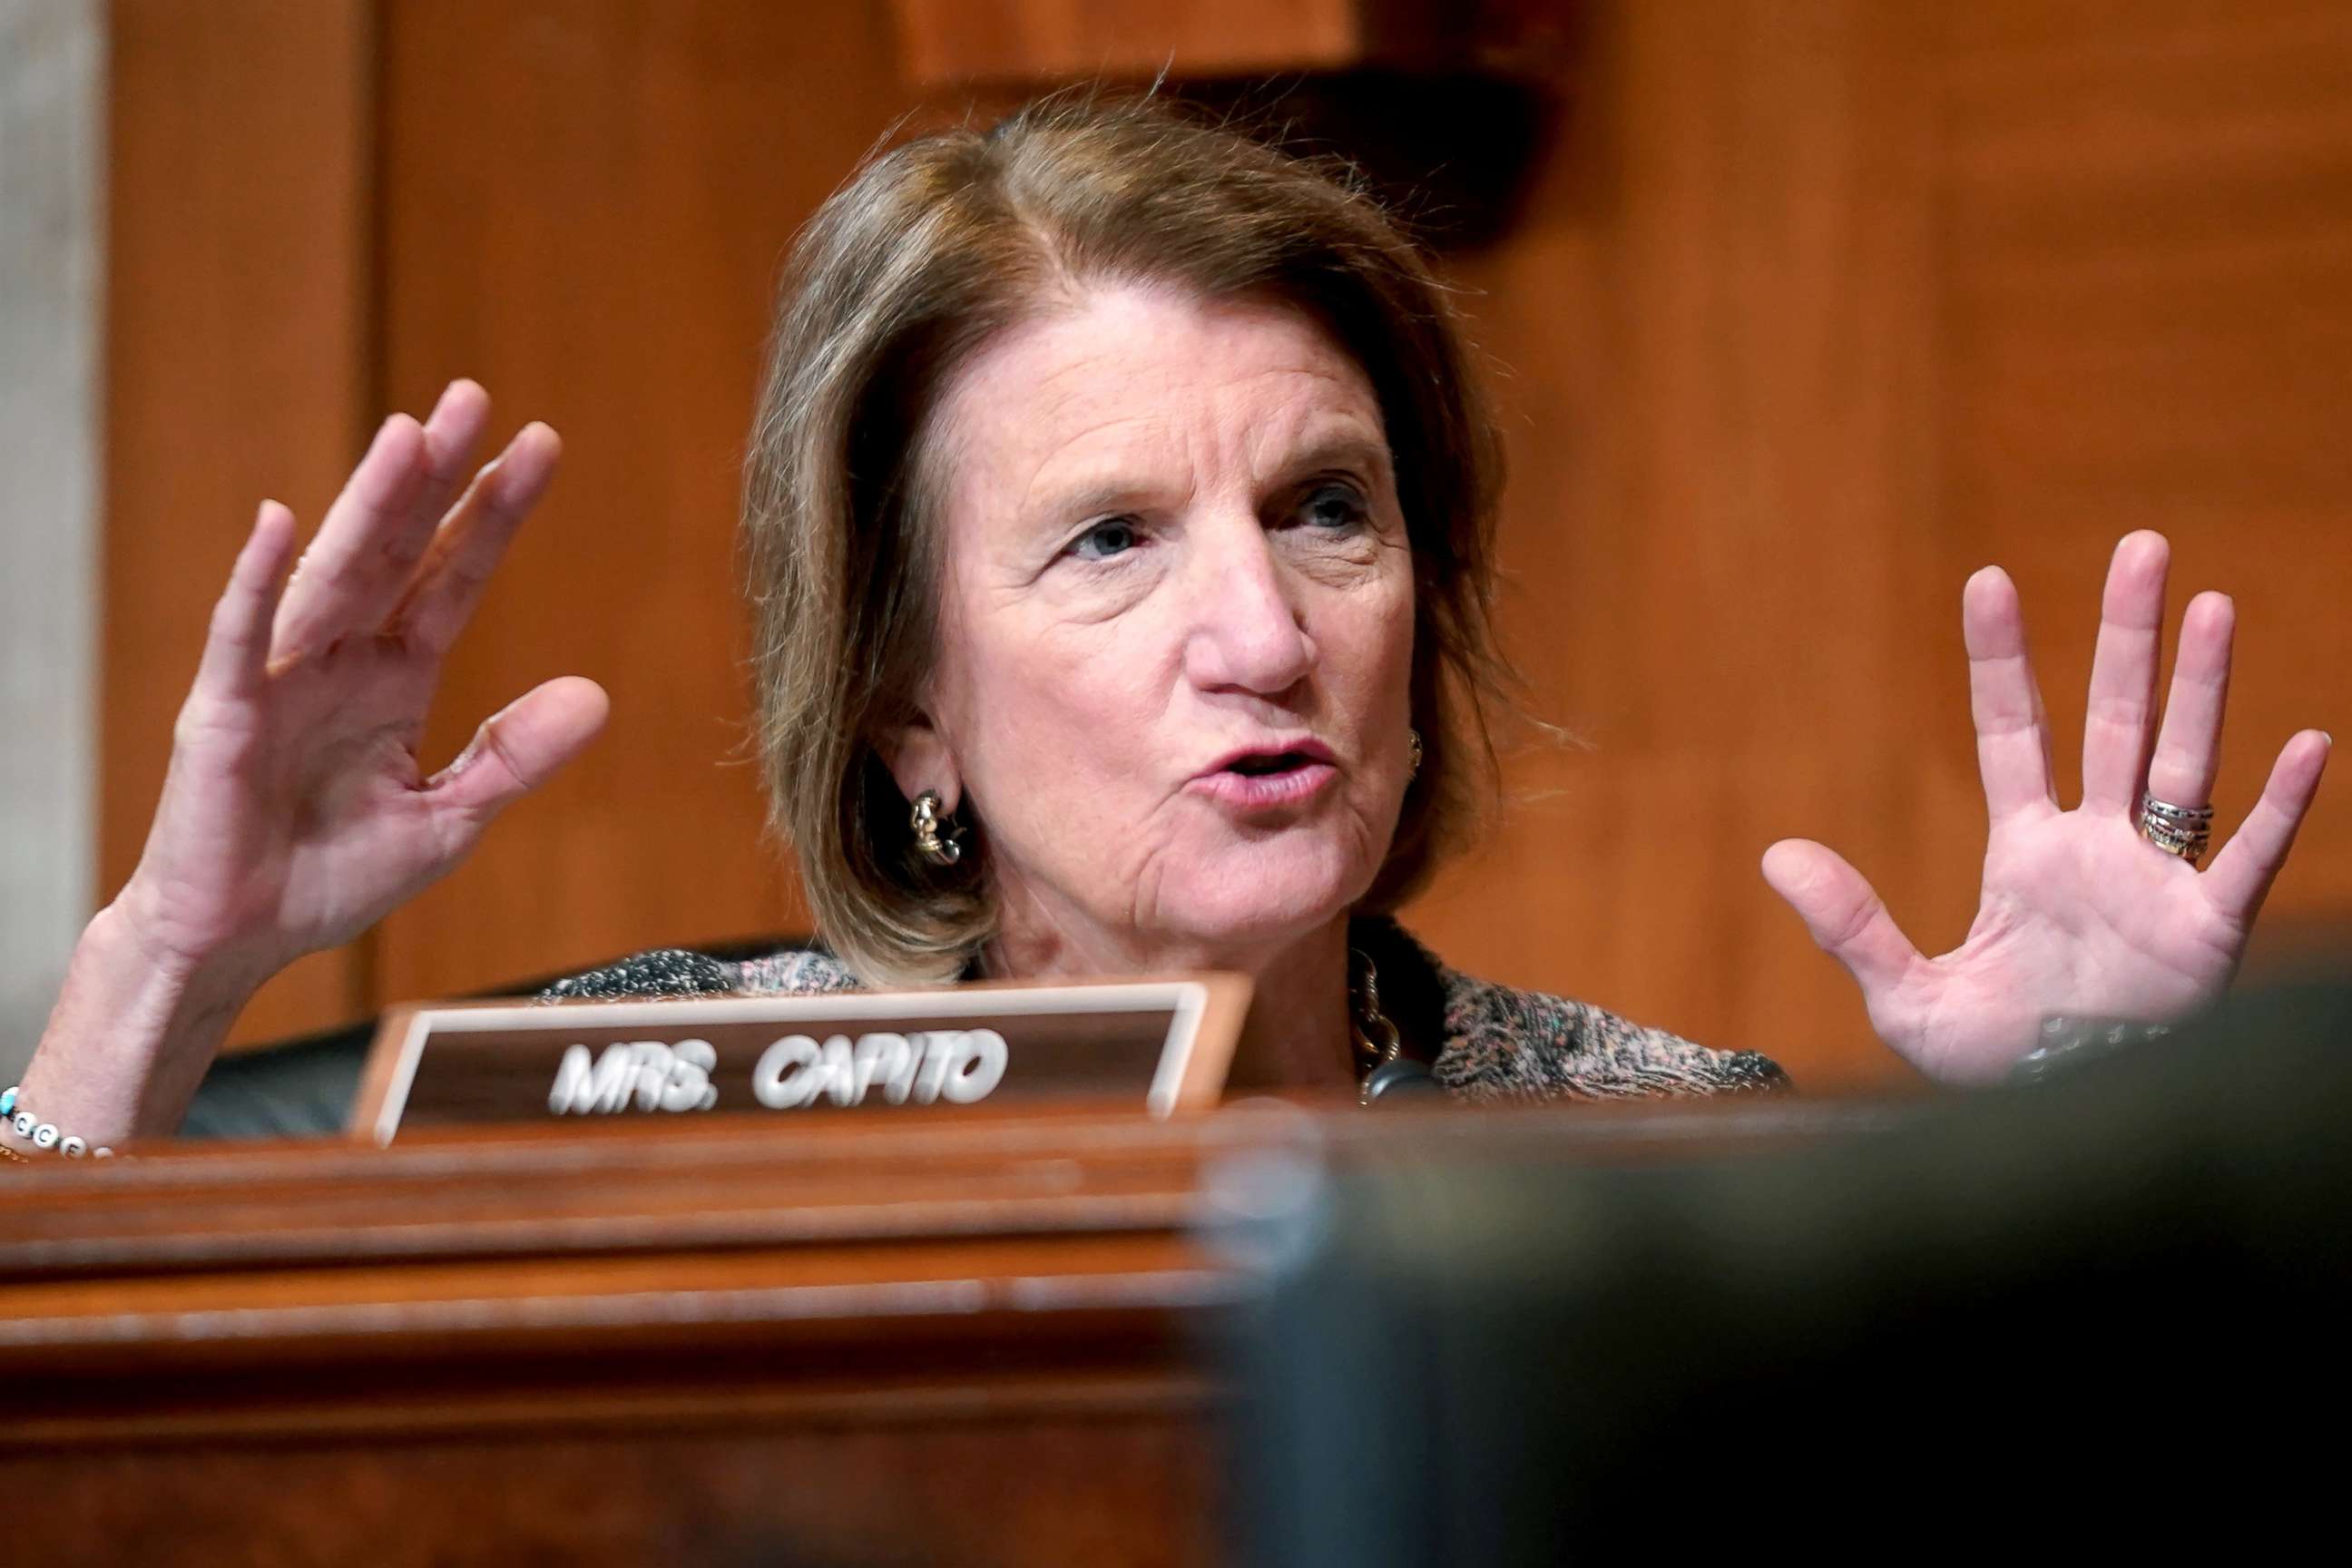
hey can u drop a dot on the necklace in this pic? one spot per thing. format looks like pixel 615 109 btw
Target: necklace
pixel 1376 1039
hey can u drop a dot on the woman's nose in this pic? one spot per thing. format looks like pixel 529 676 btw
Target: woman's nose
pixel 1248 629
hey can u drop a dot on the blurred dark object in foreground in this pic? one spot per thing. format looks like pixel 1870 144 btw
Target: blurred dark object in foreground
pixel 2104 1311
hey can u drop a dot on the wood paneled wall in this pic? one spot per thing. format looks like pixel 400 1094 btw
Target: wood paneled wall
pixel 585 206
pixel 1814 306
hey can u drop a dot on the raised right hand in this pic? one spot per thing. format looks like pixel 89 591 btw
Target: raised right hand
pixel 294 813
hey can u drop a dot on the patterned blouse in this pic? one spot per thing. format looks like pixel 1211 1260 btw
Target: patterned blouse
pixel 1482 1041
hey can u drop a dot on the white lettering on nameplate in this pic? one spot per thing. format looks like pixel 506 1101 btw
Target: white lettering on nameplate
pixel 647 1075
pixel 957 1066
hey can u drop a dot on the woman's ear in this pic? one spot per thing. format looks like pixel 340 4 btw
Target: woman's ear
pixel 918 759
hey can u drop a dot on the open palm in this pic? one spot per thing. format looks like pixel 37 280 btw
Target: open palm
pixel 2080 916
pixel 294 813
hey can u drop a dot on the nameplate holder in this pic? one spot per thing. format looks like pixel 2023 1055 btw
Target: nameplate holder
pixel 1167 1042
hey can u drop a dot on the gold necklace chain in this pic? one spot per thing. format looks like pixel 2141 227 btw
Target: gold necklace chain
pixel 1376 1039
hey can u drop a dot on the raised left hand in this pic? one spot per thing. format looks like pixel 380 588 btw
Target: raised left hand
pixel 2080 916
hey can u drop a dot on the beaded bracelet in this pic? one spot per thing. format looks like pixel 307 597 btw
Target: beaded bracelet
pixel 44 1136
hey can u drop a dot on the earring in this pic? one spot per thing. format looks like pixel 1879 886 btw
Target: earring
pixel 929 842
pixel 1411 753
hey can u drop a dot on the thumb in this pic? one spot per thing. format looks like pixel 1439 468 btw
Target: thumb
pixel 517 748
pixel 1845 916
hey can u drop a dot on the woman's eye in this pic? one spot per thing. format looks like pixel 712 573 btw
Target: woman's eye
pixel 1112 536
pixel 1333 507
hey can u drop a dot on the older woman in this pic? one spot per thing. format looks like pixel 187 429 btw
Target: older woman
pixel 1119 520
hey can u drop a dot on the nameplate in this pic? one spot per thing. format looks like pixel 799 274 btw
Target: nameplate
pixel 1167 1042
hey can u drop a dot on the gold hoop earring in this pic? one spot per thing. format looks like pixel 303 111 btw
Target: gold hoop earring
pixel 1412 754
pixel 940 849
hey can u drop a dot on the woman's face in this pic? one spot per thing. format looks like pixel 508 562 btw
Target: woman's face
pixel 1176 638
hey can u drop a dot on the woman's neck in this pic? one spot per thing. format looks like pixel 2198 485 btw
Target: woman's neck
pixel 1298 1035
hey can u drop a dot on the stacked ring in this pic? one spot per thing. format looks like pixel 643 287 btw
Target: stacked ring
pixel 2183 831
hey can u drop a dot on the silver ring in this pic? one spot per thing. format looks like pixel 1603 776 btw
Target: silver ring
pixel 2181 831
pixel 2181 816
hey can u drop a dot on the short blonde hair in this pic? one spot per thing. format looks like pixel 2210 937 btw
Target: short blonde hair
pixel 926 253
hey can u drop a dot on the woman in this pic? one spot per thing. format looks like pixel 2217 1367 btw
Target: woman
pixel 1119 517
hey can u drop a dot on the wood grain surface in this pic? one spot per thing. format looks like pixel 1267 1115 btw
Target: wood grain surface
pixel 976 1336
pixel 946 43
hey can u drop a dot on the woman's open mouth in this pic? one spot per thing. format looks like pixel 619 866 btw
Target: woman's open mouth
pixel 1254 780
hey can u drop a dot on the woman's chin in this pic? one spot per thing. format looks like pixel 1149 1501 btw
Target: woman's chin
pixel 1269 893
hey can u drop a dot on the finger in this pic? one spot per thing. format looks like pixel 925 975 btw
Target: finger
pixel 2012 731
pixel 389 477
pixel 451 433
pixel 2123 674
pixel 1845 916
pixel 514 751
pixel 2188 748
pixel 236 646
pixel 473 538
pixel 2241 875
pixel 373 535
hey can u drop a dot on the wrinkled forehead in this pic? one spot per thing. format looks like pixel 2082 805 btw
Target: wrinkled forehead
pixel 1133 378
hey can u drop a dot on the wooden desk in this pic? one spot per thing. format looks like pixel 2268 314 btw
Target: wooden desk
pixel 932 1337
